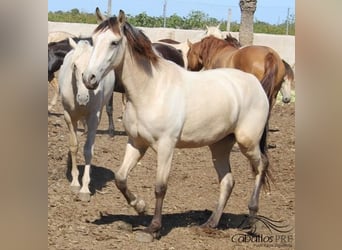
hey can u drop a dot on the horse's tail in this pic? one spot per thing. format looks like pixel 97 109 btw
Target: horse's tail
pixel 268 81
pixel 264 157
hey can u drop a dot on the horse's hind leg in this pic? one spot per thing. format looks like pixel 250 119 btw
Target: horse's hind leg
pixel 133 154
pixel 259 163
pixel 73 148
pixel 109 110
pixel 220 152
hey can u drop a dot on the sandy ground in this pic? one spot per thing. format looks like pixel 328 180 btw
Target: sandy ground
pixel 107 222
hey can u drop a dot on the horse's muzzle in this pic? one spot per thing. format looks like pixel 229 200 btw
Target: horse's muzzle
pixel 90 81
pixel 82 99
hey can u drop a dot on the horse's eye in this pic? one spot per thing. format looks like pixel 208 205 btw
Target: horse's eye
pixel 114 43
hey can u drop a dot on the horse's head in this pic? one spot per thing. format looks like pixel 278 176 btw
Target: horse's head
pixel 288 81
pixel 109 46
pixel 80 56
pixel 194 56
pixel 285 90
pixel 214 31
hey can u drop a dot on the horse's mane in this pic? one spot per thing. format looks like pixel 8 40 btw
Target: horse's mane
pixel 211 45
pixel 233 41
pixel 139 43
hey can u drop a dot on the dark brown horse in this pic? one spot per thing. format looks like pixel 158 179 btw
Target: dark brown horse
pixel 168 40
pixel 261 61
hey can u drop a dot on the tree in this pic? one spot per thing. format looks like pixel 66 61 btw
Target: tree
pixel 247 8
pixel 74 11
pixel 196 19
pixel 175 21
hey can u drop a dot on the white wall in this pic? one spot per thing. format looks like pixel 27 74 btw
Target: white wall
pixel 283 44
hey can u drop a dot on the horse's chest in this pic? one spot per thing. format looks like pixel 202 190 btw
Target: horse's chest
pixel 145 124
pixel 133 123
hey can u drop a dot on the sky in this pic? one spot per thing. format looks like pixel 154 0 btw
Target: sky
pixel 270 11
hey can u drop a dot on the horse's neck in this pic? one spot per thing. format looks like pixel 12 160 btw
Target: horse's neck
pixel 133 77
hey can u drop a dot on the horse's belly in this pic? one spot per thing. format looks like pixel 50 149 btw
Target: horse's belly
pixel 203 132
pixel 201 139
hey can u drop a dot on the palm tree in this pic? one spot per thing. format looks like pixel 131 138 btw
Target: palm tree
pixel 247 8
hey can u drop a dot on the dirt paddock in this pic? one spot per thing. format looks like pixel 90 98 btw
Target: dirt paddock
pixel 108 222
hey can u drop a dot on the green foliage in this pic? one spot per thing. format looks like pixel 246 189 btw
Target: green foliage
pixel 194 20
pixel 72 16
pixel 262 27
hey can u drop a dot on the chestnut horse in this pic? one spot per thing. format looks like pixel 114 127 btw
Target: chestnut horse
pixel 261 61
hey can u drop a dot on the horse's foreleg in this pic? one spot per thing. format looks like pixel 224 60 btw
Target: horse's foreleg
pixel 133 154
pixel 123 106
pixel 109 110
pixel 92 123
pixel 73 148
pixel 220 153
pixel 165 153
pixel 53 102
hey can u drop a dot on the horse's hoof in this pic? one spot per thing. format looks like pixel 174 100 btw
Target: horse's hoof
pixel 75 189
pixel 84 197
pixel 247 223
pixel 140 207
pixel 111 133
pixel 143 236
pixel 209 224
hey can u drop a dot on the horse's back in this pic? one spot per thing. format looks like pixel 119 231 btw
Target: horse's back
pixel 235 88
pixel 57 36
pixel 220 101
pixel 263 62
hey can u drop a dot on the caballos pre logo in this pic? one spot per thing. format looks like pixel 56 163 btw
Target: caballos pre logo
pixel 279 236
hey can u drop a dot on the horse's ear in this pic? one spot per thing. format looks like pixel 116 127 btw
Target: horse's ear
pixel 122 17
pixel 189 43
pixel 72 43
pixel 99 17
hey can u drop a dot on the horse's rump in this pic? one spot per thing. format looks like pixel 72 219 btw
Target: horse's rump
pixel 56 36
pixel 170 53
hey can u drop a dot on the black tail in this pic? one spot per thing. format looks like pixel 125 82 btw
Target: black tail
pixel 264 157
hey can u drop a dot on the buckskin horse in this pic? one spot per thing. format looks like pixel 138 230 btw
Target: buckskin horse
pixel 168 107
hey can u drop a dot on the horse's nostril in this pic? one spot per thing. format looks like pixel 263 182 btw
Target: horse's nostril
pixel 286 100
